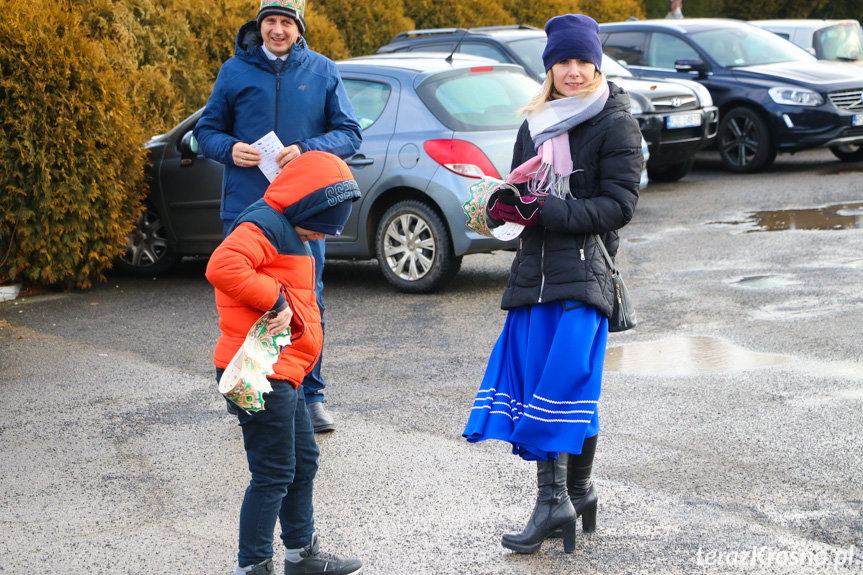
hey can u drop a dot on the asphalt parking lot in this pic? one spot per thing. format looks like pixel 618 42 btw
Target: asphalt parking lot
pixel 731 442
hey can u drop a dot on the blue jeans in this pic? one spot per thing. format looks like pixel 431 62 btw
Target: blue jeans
pixel 313 384
pixel 283 459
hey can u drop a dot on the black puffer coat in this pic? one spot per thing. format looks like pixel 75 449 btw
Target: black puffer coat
pixel 607 159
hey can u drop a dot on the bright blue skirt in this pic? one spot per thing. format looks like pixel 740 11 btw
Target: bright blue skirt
pixel 541 387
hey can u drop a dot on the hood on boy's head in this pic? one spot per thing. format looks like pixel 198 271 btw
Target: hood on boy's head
pixel 310 190
pixel 331 221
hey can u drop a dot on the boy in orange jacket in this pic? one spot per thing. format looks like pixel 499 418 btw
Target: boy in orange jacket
pixel 264 264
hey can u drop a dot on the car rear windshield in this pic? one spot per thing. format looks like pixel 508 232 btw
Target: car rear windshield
pixel 840 42
pixel 749 46
pixel 481 99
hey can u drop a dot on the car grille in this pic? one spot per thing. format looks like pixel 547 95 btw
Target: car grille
pixel 847 99
pixel 675 103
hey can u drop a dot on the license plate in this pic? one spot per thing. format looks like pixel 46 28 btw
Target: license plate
pixel 683 121
pixel 857 120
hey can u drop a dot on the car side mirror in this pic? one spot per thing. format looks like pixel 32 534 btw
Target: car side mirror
pixel 189 148
pixel 692 65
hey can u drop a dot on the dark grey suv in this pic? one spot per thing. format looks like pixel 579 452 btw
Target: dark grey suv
pixel 676 118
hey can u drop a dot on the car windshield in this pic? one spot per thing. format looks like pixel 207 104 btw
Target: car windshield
pixel 614 69
pixel 748 46
pixel 529 51
pixel 479 99
pixel 840 42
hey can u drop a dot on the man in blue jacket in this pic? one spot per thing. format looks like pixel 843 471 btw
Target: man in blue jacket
pixel 274 82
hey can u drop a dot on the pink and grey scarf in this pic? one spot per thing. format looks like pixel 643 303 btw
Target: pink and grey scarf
pixel 548 172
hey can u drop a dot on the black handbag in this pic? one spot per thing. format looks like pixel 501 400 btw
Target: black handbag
pixel 623 313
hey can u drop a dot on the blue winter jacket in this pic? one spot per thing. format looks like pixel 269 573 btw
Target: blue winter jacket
pixel 305 104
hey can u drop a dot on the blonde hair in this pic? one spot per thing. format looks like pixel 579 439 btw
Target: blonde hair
pixel 549 93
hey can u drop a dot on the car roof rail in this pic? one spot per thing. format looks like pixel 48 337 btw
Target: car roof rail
pixel 506 27
pixel 428 32
pixel 441 31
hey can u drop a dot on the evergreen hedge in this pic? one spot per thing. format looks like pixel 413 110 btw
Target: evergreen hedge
pixel 72 173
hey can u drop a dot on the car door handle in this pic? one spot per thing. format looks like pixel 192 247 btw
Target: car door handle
pixel 360 160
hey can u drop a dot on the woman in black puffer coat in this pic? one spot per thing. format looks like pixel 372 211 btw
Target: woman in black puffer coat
pixel 577 162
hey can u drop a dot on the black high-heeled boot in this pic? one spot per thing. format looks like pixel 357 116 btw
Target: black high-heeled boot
pixel 553 511
pixel 582 493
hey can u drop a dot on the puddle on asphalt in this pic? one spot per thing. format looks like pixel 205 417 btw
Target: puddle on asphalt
pixel 686 356
pixel 762 282
pixel 836 217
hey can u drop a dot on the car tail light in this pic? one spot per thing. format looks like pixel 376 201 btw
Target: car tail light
pixel 482 69
pixel 463 158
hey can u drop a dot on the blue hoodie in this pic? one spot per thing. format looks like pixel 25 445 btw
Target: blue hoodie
pixel 304 104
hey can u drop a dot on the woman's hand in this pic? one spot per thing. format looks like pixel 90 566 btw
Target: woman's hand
pixel 522 210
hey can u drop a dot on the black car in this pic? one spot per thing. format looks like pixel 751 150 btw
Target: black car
pixel 772 95
pixel 676 118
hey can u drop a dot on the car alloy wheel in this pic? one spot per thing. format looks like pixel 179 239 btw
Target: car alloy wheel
pixel 147 249
pixel 744 141
pixel 848 152
pixel 414 248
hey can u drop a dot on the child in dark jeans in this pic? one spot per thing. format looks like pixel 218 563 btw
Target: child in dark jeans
pixel 264 265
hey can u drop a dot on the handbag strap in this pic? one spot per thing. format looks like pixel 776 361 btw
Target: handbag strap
pixel 601 245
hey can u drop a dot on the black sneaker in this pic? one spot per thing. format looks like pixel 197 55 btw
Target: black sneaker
pixel 315 562
pixel 262 568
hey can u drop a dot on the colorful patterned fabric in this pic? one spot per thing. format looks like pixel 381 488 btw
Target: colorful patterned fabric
pixel 298 6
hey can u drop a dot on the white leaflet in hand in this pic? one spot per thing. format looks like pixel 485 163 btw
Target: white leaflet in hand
pixel 269 146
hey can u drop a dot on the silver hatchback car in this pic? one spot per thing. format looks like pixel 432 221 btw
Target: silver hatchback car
pixel 432 126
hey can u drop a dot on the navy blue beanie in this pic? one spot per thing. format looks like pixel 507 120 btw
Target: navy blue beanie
pixel 572 37
pixel 329 221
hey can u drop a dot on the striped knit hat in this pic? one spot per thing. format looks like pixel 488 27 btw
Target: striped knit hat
pixel 290 8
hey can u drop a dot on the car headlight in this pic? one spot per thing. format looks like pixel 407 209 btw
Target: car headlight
pixel 703 94
pixel 635 105
pixel 795 97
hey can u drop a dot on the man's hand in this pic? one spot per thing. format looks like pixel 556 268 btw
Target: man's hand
pixel 287 154
pixel 245 155
pixel 281 323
